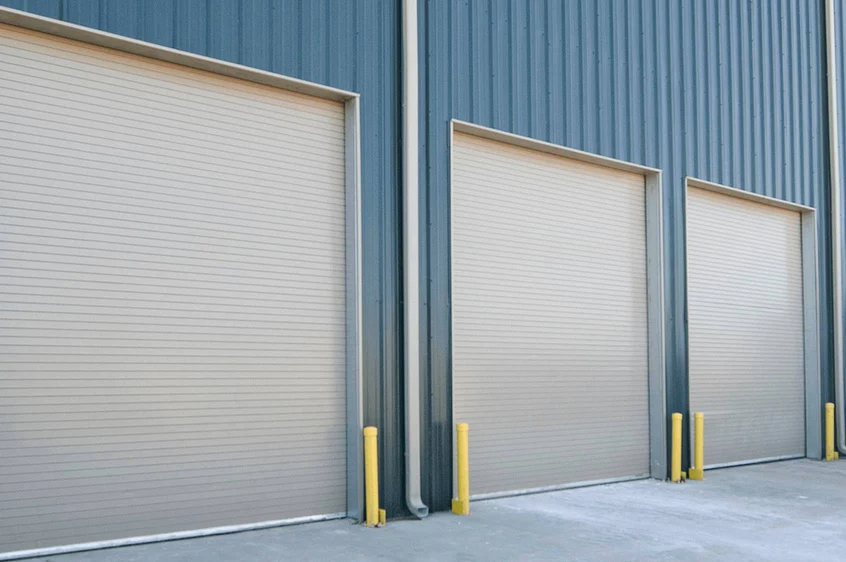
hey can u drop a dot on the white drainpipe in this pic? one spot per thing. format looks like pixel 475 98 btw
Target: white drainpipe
pixel 411 264
pixel 836 218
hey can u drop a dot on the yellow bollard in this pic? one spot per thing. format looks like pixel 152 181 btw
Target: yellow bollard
pixel 697 471
pixel 675 465
pixel 371 477
pixel 461 505
pixel 830 453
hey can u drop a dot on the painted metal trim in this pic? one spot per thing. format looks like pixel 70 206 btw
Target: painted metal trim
pixel 753 461
pixel 134 46
pixel 411 253
pixel 451 243
pixel 656 336
pixel 354 305
pixel 543 146
pixel 748 195
pixel 544 489
pixel 810 309
pixel 56 550
pixel 354 299
pixel 657 376
pixel 836 225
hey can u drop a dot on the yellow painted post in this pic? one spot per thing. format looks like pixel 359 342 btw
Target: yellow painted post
pixel 697 471
pixel 830 453
pixel 371 477
pixel 675 465
pixel 461 505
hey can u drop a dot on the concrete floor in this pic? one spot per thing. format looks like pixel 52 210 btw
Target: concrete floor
pixel 787 511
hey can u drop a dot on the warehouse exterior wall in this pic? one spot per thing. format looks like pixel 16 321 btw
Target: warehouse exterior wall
pixel 729 92
pixel 352 46
pixel 726 91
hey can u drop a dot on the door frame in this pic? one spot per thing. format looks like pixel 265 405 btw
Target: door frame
pixel 810 308
pixel 654 224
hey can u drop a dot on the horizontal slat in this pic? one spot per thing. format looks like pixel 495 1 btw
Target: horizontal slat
pixel 33 155
pixel 310 142
pixel 80 474
pixel 59 233
pixel 297 187
pixel 271 203
pixel 282 222
pixel 178 483
pixel 126 287
pixel 106 151
pixel 164 296
pixel 325 212
pixel 94 266
pixel 128 454
pixel 21 212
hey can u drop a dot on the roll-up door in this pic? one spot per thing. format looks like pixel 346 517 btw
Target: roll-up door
pixel 172 298
pixel 745 322
pixel 549 317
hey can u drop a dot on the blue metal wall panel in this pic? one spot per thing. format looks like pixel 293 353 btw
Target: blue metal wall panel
pixel 354 46
pixel 726 91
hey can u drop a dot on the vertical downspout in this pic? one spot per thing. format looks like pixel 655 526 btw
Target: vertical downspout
pixel 411 266
pixel 836 225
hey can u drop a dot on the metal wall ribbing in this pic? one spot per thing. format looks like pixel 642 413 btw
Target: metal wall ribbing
pixel 348 45
pixel 726 91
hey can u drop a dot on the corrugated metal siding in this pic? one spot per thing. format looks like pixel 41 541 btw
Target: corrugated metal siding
pixel 731 92
pixel 348 45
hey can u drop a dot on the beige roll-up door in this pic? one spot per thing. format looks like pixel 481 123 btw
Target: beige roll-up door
pixel 172 298
pixel 745 325
pixel 549 317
